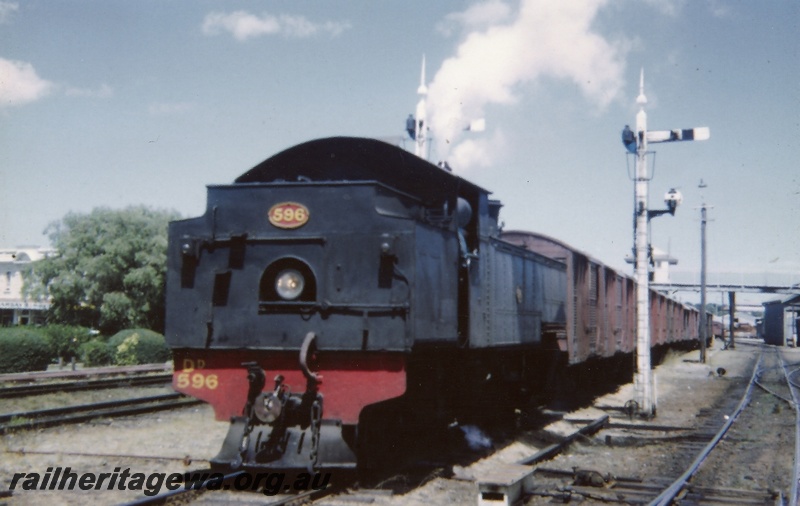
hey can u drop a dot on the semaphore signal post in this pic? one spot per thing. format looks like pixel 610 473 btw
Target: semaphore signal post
pixel 636 143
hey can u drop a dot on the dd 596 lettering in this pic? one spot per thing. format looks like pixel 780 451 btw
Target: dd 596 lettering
pixel 192 375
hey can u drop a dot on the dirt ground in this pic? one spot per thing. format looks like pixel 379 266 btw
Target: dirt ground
pixel 166 442
pixel 690 395
pixel 757 454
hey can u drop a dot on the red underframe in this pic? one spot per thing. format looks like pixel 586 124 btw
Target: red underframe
pixel 350 380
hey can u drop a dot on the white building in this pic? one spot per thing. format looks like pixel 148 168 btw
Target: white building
pixel 14 308
pixel 659 272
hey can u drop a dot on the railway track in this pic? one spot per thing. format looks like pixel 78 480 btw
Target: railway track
pixel 680 486
pixel 705 447
pixel 763 396
pixel 626 490
pixel 761 437
pixel 792 373
pixel 718 454
pixel 334 493
pixel 83 384
pixel 234 487
pixel 85 412
pixel 84 373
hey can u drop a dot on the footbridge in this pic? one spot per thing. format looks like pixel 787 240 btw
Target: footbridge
pixel 738 282
pixel 787 284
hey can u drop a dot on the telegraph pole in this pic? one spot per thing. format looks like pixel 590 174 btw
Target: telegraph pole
pixel 703 317
pixel 636 142
pixel 703 270
pixel 731 320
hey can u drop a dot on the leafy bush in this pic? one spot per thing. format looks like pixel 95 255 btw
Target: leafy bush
pixel 66 340
pixel 139 346
pixel 96 353
pixel 24 349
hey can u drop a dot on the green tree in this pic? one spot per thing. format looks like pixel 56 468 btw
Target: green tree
pixel 108 271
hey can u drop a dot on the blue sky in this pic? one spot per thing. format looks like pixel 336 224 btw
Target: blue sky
pixel 113 103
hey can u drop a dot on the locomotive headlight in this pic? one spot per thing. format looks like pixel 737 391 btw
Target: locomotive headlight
pixel 289 284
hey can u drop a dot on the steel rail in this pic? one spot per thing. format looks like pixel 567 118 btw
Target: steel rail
pixel 790 402
pixel 793 388
pixel 85 412
pixel 83 373
pixel 79 385
pixel 23 451
pixel 792 373
pixel 41 413
pixel 304 497
pixel 166 496
pixel 289 500
pixel 554 449
pixel 673 490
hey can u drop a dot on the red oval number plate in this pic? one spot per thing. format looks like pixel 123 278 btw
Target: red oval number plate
pixel 288 215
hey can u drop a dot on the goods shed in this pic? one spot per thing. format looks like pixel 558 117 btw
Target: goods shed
pixel 781 324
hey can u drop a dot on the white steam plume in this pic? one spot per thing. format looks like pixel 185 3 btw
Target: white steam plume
pixel 493 63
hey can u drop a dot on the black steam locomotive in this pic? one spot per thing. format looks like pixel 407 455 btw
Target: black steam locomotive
pixel 345 281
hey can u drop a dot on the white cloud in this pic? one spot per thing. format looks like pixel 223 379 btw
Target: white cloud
pixel 7 9
pixel 477 16
pixel 104 91
pixel 668 7
pixel 19 83
pixel 168 108
pixel 492 65
pixel 243 25
pixel 719 9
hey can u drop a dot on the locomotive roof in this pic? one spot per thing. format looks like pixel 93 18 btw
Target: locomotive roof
pixel 360 159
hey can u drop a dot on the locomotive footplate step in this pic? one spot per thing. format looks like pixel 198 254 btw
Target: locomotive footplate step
pixel 504 484
pixel 252 448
